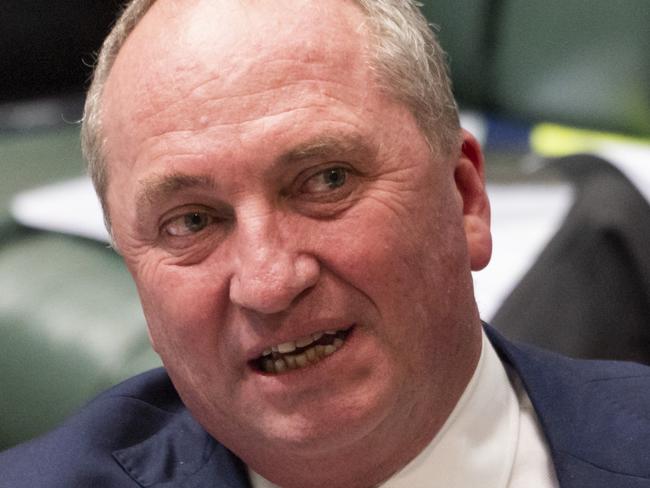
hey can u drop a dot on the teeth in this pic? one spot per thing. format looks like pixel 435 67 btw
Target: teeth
pixel 305 341
pixel 286 347
pixel 290 359
pixel 301 360
pixel 311 354
pixel 271 363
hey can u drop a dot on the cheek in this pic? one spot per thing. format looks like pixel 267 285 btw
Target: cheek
pixel 183 308
pixel 379 248
pixel 413 267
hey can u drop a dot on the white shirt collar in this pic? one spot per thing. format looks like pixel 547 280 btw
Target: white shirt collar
pixel 477 444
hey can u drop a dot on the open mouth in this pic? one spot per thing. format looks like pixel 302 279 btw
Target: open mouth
pixel 302 352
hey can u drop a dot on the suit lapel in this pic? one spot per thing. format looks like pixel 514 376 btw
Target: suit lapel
pixel 585 408
pixel 182 454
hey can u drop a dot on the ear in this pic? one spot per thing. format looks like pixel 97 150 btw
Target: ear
pixel 469 176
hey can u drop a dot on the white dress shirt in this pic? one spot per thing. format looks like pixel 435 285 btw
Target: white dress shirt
pixel 492 439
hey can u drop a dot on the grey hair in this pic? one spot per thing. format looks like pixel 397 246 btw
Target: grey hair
pixel 412 67
pixel 409 64
pixel 92 139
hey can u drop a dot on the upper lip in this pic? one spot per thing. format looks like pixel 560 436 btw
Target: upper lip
pixel 321 326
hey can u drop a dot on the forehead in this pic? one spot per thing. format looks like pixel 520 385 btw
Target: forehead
pixel 202 49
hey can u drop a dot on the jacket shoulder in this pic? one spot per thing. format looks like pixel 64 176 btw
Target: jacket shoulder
pixel 79 452
pixel 595 413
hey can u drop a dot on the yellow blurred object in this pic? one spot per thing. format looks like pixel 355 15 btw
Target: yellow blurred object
pixel 553 140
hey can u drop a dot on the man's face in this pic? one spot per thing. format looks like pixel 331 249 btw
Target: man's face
pixel 263 192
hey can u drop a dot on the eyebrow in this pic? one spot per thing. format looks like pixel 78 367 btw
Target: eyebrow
pixel 328 146
pixel 160 187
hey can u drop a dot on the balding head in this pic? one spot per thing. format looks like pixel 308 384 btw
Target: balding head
pixel 405 56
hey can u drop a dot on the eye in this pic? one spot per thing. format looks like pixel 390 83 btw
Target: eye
pixel 188 224
pixel 326 180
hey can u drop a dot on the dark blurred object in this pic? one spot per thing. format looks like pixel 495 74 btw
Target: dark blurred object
pixel 464 28
pixel 587 64
pixel 48 46
pixel 588 294
pixel 578 62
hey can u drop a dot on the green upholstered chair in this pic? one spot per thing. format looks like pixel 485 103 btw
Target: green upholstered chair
pixel 70 320
pixel 70 326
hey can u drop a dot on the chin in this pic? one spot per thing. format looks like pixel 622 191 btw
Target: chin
pixel 332 427
pixel 317 427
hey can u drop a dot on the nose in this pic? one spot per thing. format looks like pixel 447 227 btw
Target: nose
pixel 271 271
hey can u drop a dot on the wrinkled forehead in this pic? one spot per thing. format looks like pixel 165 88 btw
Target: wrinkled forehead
pixel 184 46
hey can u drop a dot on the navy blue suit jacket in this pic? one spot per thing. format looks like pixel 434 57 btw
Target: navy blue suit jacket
pixel 595 415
